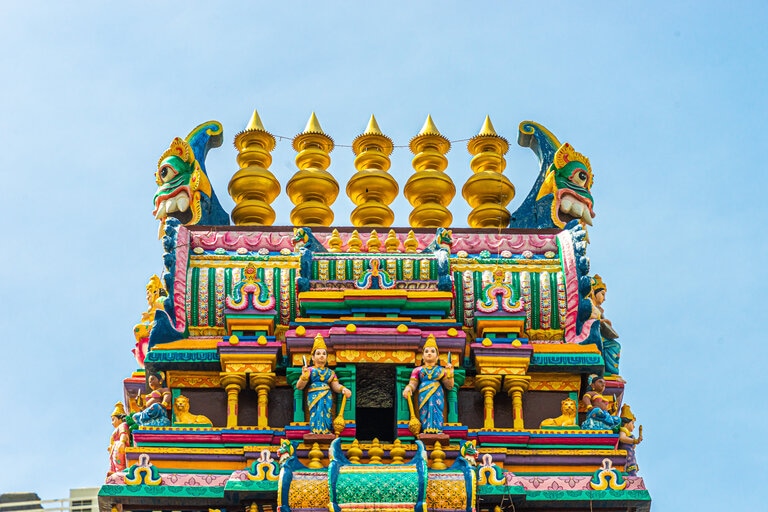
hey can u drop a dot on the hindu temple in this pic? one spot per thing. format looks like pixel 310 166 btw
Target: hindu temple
pixel 348 366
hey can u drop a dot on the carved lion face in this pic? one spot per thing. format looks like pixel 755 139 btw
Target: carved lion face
pixel 568 407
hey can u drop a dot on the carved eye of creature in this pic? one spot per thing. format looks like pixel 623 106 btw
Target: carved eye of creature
pixel 166 173
pixel 580 177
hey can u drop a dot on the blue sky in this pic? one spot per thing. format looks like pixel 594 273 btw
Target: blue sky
pixel 665 98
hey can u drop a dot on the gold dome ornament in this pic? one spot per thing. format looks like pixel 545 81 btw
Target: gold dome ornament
pixel 429 189
pixel 312 189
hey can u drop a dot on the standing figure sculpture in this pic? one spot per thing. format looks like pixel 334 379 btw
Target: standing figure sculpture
pixel 119 440
pixel 599 407
pixel 429 379
pixel 156 294
pixel 155 404
pixel 322 382
pixel 611 347
pixel 627 441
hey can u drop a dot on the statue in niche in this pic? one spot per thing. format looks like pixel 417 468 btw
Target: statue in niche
pixel 599 407
pixel 566 419
pixel 429 379
pixel 184 417
pixel 155 404
pixel 120 439
pixel 322 384
pixel 627 440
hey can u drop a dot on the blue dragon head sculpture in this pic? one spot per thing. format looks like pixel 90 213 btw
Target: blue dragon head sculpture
pixel 562 191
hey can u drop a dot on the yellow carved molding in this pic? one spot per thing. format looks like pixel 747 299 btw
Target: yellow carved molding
pixel 462 265
pixel 177 379
pixel 190 344
pixel 205 331
pixel 554 382
pixel 196 451
pixel 545 334
pixel 375 356
pixel 247 367
pixel 564 348
pixel 493 365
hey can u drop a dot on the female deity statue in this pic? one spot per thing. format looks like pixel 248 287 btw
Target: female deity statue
pixel 119 440
pixel 322 381
pixel 627 441
pixel 611 347
pixel 155 296
pixel 429 379
pixel 155 404
pixel 598 407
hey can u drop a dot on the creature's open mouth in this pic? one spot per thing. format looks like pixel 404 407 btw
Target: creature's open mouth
pixel 174 204
pixel 573 206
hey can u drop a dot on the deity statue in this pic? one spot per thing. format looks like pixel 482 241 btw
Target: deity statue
pixel 429 379
pixel 611 347
pixel 627 441
pixel 156 294
pixel 119 440
pixel 599 407
pixel 184 417
pixel 155 404
pixel 322 381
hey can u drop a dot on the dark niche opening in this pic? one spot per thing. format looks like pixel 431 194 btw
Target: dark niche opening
pixel 375 412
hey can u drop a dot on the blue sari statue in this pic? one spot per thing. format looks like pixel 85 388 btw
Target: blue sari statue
pixel 429 380
pixel 322 382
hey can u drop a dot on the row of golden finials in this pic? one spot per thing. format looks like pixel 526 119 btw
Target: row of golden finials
pixel 312 189
pixel 376 454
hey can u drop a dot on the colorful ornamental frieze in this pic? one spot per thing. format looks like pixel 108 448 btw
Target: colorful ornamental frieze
pixel 321 367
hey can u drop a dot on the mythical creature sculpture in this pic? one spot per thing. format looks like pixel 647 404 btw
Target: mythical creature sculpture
pixel 306 243
pixel 441 248
pixel 561 192
pixel 322 381
pixel 566 419
pixel 184 417
pixel 184 191
pixel 429 379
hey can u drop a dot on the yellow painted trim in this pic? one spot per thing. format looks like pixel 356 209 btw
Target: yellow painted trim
pixel 189 344
pixel 560 348
pixel 556 470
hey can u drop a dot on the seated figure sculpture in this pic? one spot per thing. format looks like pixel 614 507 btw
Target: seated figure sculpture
pixel 599 407
pixel 611 349
pixel 322 382
pixel 429 379
pixel 567 419
pixel 184 417
pixel 155 404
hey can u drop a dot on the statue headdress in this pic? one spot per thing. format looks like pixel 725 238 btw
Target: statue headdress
pixel 431 343
pixel 319 343
pixel 119 410
pixel 626 413
pixel 598 284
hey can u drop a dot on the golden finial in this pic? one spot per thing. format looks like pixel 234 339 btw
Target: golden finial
pixel 372 188
pixel 354 243
pixel 392 243
pixel 488 191
pixel 312 189
pixel 334 242
pixel 411 244
pixel 429 189
pixel 397 452
pixel 374 244
pixel 437 456
pixel 253 187
pixel 315 454
pixel 354 453
pixel 375 452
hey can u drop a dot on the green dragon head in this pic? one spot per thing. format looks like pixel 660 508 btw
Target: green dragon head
pixel 569 179
pixel 180 182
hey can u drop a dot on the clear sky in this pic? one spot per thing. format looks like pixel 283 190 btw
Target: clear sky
pixel 665 98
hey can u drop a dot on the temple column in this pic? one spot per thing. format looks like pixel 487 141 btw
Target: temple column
pixel 452 395
pixel 292 375
pixel 515 386
pixel 233 383
pixel 262 383
pixel 488 385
